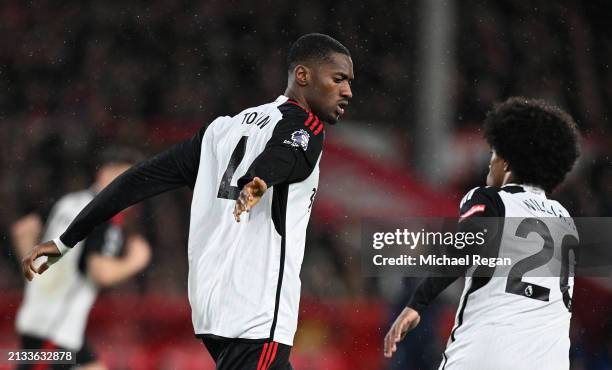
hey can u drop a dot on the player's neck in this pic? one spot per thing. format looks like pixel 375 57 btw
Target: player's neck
pixel 95 188
pixel 508 178
pixel 299 98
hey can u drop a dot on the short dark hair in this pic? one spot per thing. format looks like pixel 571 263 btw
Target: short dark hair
pixel 314 47
pixel 538 140
pixel 118 155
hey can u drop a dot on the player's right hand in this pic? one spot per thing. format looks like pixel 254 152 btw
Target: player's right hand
pixel 406 321
pixel 48 249
pixel 249 196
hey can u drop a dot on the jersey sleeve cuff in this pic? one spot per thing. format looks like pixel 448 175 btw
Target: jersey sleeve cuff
pixel 417 307
pixel 63 248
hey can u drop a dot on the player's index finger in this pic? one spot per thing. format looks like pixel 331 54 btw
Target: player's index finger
pixel 387 346
pixel 32 267
pixel 389 339
pixel 387 349
pixel 388 335
pixel 27 270
pixel 29 260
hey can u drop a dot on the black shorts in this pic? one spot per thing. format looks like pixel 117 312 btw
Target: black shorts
pixel 83 356
pixel 232 354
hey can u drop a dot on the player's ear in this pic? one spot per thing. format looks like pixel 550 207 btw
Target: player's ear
pixel 301 73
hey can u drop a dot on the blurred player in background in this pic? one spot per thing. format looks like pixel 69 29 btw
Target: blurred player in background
pixel 510 321
pixel 244 284
pixel 54 311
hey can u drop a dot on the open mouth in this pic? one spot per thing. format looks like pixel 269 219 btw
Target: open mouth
pixel 341 107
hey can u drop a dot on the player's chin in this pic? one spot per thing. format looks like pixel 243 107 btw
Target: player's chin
pixel 332 118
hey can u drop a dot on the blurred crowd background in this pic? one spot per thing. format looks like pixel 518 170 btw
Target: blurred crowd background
pixel 78 76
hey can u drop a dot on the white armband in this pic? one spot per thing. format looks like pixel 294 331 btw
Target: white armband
pixel 63 248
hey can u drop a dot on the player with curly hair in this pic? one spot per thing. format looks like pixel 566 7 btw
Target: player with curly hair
pixel 513 317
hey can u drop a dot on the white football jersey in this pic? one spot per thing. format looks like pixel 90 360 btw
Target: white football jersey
pixel 517 317
pixel 244 277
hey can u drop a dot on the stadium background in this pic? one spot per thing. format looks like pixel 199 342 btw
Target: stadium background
pixel 78 76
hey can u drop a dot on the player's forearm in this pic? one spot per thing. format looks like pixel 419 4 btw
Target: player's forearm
pixel 431 287
pixel 428 290
pixel 273 166
pixel 279 164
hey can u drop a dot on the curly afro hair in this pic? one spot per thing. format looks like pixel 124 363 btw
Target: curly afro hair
pixel 538 140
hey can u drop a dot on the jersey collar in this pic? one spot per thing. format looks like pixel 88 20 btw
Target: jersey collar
pixel 284 99
pixel 281 99
pixel 530 188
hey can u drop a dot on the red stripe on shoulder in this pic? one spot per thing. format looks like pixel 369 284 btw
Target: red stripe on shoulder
pixel 319 129
pixel 314 124
pixel 475 209
pixel 310 117
pixel 291 101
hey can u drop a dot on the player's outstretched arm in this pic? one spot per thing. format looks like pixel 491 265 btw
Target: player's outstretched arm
pixel 407 320
pixel 48 249
pixel 176 167
pixel 249 196
pixel 171 169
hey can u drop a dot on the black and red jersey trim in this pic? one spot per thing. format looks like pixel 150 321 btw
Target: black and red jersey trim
pixel 298 104
pixel 312 122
